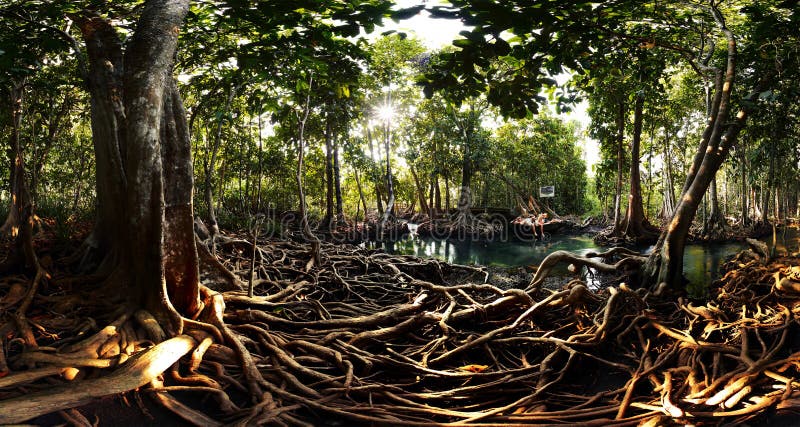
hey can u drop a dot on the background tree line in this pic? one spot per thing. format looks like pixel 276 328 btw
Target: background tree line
pixel 244 87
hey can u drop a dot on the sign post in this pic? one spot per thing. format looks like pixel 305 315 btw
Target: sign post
pixel 547 191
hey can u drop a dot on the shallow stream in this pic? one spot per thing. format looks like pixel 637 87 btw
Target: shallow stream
pixel 700 264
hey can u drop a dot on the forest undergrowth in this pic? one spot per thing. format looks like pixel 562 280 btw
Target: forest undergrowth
pixel 370 338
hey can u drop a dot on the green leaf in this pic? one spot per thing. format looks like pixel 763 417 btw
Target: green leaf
pixel 301 86
pixel 406 13
pixel 463 43
pixel 342 91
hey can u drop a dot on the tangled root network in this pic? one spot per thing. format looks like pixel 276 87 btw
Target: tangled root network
pixel 370 338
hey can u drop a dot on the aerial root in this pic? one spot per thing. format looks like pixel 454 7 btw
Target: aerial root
pixel 370 338
pixel 628 261
pixel 215 307
pixel 75 418
pixel 3 363
pixel 347 345
pixel 138 371
pixel 185 412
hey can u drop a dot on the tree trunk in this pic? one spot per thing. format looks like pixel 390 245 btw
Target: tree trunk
pixel 301 146
pixel 664 267
pixel 181 259
pixel 669 194
pixel 223 173
pixel 360 193
pixel 246 197
pixel 260 163
pixel 635 225
pixel 337 183
pixel 485 202
pixel 375 174
pixel 144 168
pixel 19 223
pixel 465 193
pixel 649 174
pixel 389 212
pixel 53 126
pixel 725 193
pixel 76 195
pixel 420 192
pixel 620 161
pixel 211 161
pixel 104 82
pixel 777 203
pixel 744 190
pixel 437 195
pixel 770 187
pixel 327 220
pixel 447 195
pixel 714 227
pixel 156 127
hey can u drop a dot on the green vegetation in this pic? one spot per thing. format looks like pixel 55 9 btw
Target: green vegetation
pixel 145 141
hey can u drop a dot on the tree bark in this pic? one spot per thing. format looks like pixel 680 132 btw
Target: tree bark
pixel 372 156
pixel 465 191
pixel 76 195
pixel 144 167
pixel 635 225
pixel 664 266
pixel 308 235
pixel 437 196
pixel 211 161
pixel 53 126
pixel 260 163
pixel 714 227
pixel 360 193
pixel 19 223
pixel 181 260
pixel 389 211
pixel 669 193
pixel 327 220
pixel 337 183
pixel 420 192
pixel 770 187
pixel 620 160
pixel 744 190
pixel 148 88
pixel 104 82
pixel 447 195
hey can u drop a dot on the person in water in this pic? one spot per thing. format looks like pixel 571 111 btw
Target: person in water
pixel 540 220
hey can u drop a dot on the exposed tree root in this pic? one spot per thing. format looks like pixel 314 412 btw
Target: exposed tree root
pixel 628 262
pixel 628 234
pixel 133 374
pixel 369 338
pixel 463 225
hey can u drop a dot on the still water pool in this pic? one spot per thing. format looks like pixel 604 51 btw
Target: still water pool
pixel 700 264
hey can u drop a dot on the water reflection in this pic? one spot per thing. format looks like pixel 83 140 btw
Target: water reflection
pixel 700 265
pixel 496 253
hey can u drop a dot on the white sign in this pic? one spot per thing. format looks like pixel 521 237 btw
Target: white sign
pixel 547 191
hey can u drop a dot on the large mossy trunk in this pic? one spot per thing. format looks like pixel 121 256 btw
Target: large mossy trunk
pixel 144 169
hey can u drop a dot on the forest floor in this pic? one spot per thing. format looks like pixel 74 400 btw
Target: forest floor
pixel 372 338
